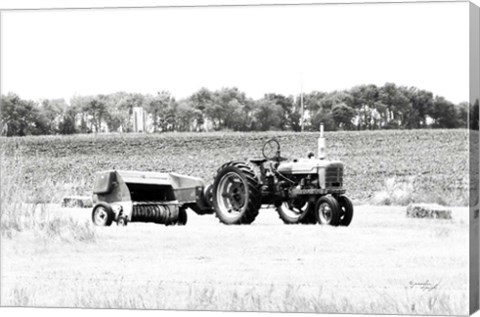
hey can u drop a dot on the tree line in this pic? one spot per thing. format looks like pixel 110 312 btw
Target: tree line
pixel 364 107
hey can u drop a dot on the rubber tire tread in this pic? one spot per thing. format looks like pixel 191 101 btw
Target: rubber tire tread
pixel 110 213
pixel 333 205
pixel 255 199
pixel 347 203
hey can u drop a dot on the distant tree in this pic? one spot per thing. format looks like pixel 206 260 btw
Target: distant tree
pixel 162 109
pixel 268 115
pixel 241 116
pixel 78 104
pixel 127 103
pixel 202 101
pixel 288 108
pixel 295 119
pixel 336 109
pixel 443 113
pixel 21 117
pixel 462 110
pixel 324 117
pixel 118 111
pixel 96 109
pixel 226 102
pixel 364 101
pixel 52 111
pixel 361 107
pixel 67 124
pixel 343 116
pixel 422 104
pixel 312 101
pixel 396 101
pixel 186 116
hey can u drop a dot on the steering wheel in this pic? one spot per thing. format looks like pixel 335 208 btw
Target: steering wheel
pixel 271 149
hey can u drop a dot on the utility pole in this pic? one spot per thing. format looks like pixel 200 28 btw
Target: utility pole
pixel 301 101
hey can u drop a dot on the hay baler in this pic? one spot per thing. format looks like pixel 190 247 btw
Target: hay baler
pixel 133 196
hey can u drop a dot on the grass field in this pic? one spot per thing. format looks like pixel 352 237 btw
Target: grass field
pixel 383 263
pixel 431 164
pixel 376 265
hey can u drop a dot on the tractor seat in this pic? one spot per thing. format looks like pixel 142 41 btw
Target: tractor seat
pixel 258 161
pixel 262 160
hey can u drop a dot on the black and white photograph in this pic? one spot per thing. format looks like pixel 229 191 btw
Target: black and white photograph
pixel 282 157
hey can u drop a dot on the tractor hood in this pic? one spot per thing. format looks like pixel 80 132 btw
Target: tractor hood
pixel 306 166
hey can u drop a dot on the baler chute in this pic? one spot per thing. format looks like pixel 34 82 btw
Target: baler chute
pixel 162 198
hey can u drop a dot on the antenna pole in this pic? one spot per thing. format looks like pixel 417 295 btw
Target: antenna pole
pixel 301 101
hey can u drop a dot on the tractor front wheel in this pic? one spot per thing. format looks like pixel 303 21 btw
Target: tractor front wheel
pixel 327 211
pixel 346 207
pixel 236 194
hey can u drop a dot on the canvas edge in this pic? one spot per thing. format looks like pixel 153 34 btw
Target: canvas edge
pixel 474 203
pixel 474 80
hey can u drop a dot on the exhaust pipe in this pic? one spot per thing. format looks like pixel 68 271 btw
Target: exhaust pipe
pixel 321 144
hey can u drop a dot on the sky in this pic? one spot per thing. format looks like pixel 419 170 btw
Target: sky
pixel 281 49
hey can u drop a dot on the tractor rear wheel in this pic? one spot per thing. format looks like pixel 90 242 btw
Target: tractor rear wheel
pixel 102 214
pixel 346 207
pixel 327 211
pixel 293 211
pixel 236 194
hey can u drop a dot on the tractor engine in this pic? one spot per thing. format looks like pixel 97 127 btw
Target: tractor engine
pixel 313 176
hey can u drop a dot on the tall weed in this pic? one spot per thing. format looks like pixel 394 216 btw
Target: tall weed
pixel 25 206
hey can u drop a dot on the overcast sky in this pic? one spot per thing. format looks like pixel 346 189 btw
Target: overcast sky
pixel 56 54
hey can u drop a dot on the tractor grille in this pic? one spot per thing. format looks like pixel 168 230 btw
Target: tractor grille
pixel 155 212
pixel 334 176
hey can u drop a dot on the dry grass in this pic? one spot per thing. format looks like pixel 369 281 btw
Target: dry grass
pixel 368 267
pixel 273 298
pixel 23 211
pixel 371 267
pixel 402 192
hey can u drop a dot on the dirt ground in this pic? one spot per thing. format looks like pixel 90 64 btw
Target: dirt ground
pixel 384 262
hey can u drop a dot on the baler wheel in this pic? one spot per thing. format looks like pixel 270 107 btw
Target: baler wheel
pixel 346 207
pixel 327 211
pixel 102 214
pixel 236 194
pixel 182 216
pixel 122 221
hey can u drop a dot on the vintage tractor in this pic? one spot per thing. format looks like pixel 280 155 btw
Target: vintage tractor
pixel 305 191
pixel 132 196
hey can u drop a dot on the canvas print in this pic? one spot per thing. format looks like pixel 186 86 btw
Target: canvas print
pixel 275 158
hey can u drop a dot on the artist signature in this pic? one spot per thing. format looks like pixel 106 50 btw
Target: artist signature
pixel 424 286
